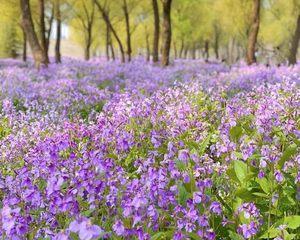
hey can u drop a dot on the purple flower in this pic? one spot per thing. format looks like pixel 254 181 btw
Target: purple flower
pixel 215 207
pixel 118 227
pixel 197 197
pixel 278 176
pixel 183 155
pixel 248 230
pixel 85 229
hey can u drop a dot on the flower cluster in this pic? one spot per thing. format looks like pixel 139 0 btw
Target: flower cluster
pixel 104 150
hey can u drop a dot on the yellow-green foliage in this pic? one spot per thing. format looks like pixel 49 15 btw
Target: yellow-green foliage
pixel 10 33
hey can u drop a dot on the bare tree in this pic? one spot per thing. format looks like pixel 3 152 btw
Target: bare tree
pixel 128 33
pixel 42 29
pixel 167 32
pixel 87 18
pixel 109 24
pixel 253 32
pixel 156 31
pixel 295 42
pixel 24 55
pixel 58 32
pixel 28 26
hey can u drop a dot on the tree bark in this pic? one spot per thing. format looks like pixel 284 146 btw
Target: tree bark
pixel 206 50
pixel 112 50
pixel 42 29
pixel 216 43
pixel 166 33
pixel 194 51
pixel 27 23
pixel 295 42
pixel 156 31
pixel 107 43
pixel 88 42
pixel 181 48
pixel 24 56
pixel 186 51
pixel 49 30
pixel 252 37
pixel 58 32
pixel 147 47
pixel 107 21
pixel 175 50
pixel 128 34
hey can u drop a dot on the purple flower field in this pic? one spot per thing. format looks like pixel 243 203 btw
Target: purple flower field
pixel 104 150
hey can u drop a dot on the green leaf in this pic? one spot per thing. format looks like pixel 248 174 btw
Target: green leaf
pixel 183 194
pixel 240 169
pixel 236 132
pixel 264 184
pixel 162 235
pixel 244 194
pixel 194 236
pixel 204 144
pixel 271 233
pixel 235 236
pixel 287 154
pixel 292 222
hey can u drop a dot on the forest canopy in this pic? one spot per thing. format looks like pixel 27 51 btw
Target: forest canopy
pixel 210 29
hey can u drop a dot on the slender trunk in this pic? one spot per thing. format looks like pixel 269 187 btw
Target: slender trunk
pixel 58 32
pixel 24 46
pixel 42 31
pixel 186 50
pixel 181 48
pixel 206 50
pixel 87 50
pixel 252 38
pixel 166 33
pixel 147 47
pixel 175 50
pixel 295 42
pixel 107 43
pixel 27 23
pixel 216 45
pixel 107 21
pixel 194 51
pixel 48 32
pixel 128 34
pixel 112 50
pixel 156 31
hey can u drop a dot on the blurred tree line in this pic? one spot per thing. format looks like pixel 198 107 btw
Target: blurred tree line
pixel 227 30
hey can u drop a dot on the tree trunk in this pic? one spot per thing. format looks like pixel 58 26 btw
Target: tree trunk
pixel 147 47
pixel 175 50
pixel 206 50
pixel 181 48
pixel 48 32
pixel 166 33
pixel 58 32
pixel 24 46
pixel 107 42
pixel 194 51
pixel 107 21
pixel 112 50
pixel 156 31
pixel 295 42
pixel 42 31
pixel 88 42
pixel 252 38
pixel 186 50
pixel 27 23
pixel 216 44
pixel 128 34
